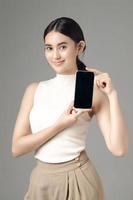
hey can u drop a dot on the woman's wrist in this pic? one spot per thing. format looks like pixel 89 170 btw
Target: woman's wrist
pixel 58 126
pixel 113 93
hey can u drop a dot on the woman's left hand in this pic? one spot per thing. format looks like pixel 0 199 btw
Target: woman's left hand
pixel 103 81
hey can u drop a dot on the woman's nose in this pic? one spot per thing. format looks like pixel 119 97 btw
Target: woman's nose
pixel 56 54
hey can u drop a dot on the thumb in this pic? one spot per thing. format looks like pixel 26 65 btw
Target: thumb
pixel 70 107
pixel 96 72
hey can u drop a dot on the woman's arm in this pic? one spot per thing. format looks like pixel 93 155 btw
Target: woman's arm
pixel 30 142
pixel 109 114
pixel 112 124
pixel 119 130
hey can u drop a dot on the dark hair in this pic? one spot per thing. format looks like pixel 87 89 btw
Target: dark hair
pixel 70 28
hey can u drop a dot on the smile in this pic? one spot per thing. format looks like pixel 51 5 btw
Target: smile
pixel 59 62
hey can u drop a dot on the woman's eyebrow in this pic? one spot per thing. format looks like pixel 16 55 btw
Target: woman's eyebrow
pixel 57 44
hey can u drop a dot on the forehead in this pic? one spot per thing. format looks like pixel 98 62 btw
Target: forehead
pixel 55 38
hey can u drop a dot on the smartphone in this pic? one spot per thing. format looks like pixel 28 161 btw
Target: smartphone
pixel 83 89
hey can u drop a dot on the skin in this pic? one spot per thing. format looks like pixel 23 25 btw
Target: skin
pixel 105 107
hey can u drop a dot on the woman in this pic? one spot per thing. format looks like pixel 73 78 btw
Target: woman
pixel 48 123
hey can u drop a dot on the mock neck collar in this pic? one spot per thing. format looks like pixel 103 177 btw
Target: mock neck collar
pixel 65 76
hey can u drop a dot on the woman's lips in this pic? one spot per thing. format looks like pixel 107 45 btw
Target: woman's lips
pixel 58 62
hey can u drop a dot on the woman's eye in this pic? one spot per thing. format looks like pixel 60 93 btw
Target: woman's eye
pixel 63 47
pixel 48 48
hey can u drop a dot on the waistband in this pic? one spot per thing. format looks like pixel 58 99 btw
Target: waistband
pixel 64 166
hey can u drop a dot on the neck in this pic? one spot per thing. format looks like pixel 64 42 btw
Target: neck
pixel 66 73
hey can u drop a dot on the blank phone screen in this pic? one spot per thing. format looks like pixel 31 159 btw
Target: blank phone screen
pixel 84 89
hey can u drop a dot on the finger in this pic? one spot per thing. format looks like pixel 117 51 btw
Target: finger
pixel 73 111
pixel 100 84
pixel 81 111
pixel 70 106
pixel 96 72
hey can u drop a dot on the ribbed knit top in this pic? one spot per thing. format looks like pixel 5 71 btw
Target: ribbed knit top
pixel 51 98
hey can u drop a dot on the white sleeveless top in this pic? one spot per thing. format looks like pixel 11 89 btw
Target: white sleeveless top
pixel 51 98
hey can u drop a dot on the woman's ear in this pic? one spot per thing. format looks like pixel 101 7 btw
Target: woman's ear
pixel 81 46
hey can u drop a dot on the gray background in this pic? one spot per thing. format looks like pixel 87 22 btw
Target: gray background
pixel 108 30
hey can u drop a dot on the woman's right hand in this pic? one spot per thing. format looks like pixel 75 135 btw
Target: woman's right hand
pixel 70 116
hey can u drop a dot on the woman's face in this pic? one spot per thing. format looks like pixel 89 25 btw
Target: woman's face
pixel 61 52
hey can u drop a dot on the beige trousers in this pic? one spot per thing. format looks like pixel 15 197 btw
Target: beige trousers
pixel 72 180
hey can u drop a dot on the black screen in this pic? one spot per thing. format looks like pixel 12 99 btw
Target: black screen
pixel 84 89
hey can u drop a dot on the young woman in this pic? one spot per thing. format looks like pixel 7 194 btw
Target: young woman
pixel 48 123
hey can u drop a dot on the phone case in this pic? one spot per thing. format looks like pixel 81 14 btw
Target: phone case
pixel 84 89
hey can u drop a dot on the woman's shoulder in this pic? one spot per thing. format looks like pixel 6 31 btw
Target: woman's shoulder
pixel 34 85
pixel 31 87
pixel 96 90
pixel 98 97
